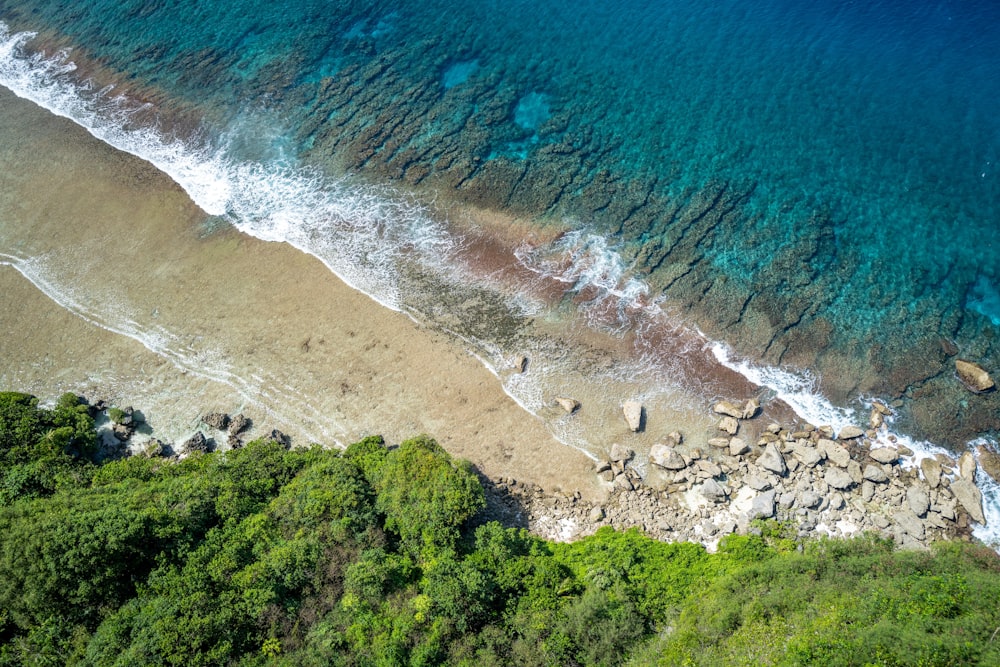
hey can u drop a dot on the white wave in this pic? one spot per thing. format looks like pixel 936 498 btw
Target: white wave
pixel 361 233
pixel 798 390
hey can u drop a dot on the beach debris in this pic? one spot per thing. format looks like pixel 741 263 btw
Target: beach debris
pixel 633 415
pixel 570 405
pixel 973 376
pixel 728 409
pixel 217 420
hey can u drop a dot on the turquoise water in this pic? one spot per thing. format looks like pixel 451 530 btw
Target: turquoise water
pixel 816 184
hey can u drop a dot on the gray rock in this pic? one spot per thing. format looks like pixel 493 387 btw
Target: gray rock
pixel 867 491
pixel 786 500
pixel 620 453
pixel 931 468
pixel 758 483
pixel 623 482
pixel 838 454
pixel 836 501
pixel 729 425
pixel 713 491
pixel 762 506
pixel 596 514
pixel 633 415
pixel 970 497
pixel 719 442
pixel 884 455
pixel 152 448
pixel 728 409
pixel 808 499
pixel 709 468
pixel 838 479
pixel 873 473
pixel 772 460
pixel 850 432
pixel 918 500
pixel 520 364
pixel 750 409
pixel 738 447
pixel 854 471
pixel 875 419
pixel 910 522
pixel 606 475
pixel 808 455
pixel 666 457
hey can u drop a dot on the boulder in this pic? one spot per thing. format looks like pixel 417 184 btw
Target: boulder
pixel 728 409
pixel 633 415
pixel 729 425
pixel 217 420
pixel 970 497
pixel 751 409
pixel 719 442
pixel 713 491
pixel 867 491
pixel 675 438
pixel 772 460
pixel 762 506
pixel 854 471
pixel 709 468
pixel 973 376
pixel 850 433
pixel 196 443
pixel 568 404
pixel 758 483
pixel 910 522
pixel 277 436
pixel 666 457
pixel 808 455
pixel 624 483
pixel 881 407
pixel 875 419
pixel 738 447
pixel 873 473
pixel 838 479
pixel 239 423
pixel 837 501
pixel 233 441
pixel 990 462
pixel 620 453
pixel 918 500
pixel 932 471
pixel 967 466
pixel 152 448
pixel 884 455
pixel 122 432
pixel 808 499
pixel 838 454
pixel 596 514
pixel 520 364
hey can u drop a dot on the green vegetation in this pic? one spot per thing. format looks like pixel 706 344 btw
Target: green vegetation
pixel 264 556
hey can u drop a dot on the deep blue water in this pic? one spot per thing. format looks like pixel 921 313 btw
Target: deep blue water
pixel 816 183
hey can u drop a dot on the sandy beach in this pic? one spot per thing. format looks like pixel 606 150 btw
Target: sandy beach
pixel 266 329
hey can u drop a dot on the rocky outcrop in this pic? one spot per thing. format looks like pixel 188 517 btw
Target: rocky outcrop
pixel 196 443
pixel 217 420
pixel 973 376
pixel 239 423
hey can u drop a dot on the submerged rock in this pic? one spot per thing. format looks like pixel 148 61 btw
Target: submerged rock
pixel 973 376
pixel 570 405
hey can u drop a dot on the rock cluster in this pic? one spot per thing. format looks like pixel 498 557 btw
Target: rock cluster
pixel 818 481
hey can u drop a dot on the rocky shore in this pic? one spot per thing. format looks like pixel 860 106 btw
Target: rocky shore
pixel 815 480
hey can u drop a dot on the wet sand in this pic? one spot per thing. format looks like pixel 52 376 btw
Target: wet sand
pixel 178 315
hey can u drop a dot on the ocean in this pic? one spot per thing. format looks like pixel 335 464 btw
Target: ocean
pixel 661 200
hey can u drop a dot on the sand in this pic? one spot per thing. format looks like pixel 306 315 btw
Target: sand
pixel 139 298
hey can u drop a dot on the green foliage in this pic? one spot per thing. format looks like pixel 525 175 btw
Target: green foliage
pixel 116 415
pixel 425 495
pixel 264 556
